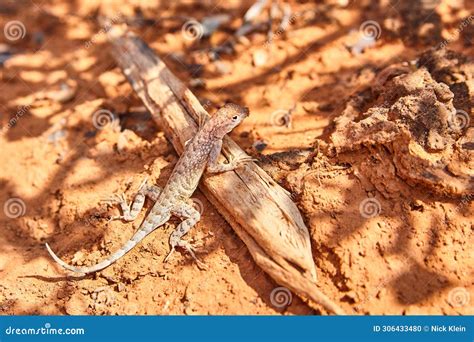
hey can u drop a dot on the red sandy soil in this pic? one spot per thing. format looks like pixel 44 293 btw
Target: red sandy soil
pixel 414 256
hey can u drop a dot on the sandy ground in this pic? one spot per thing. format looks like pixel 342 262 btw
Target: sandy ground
pixel 410 252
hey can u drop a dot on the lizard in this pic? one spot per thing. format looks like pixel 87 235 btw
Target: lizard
pixel 200 154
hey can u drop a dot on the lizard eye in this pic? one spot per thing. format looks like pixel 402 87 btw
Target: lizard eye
pixel 235 117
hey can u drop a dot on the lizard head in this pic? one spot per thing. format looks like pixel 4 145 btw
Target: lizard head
pixel 227 118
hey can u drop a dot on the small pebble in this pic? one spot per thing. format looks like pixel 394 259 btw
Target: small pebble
pixel 222 67
pixel 197 83
pixel 259 145
pixel 259 58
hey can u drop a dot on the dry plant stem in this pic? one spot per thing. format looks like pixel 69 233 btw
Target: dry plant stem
pixel 259 210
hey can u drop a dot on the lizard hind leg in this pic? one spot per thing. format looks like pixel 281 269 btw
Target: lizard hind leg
pixel 130 212
pixel 190 217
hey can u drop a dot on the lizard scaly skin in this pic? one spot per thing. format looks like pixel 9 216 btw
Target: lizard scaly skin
pixel 200 153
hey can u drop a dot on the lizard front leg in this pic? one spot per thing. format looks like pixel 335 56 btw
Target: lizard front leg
pixel 130 212
pixel 213 166
pixel 190 217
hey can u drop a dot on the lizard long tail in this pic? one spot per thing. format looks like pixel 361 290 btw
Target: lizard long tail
pixel 143 231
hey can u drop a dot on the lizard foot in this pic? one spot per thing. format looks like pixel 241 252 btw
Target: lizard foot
pixel 117 199
pixel 234 162
pixel 121 200
pixel 237 161
pixel 190 249
pixel 131 212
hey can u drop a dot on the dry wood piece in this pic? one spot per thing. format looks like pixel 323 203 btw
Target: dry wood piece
pixel 259 210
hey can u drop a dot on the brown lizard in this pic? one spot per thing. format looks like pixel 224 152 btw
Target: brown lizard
pixel 201 153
